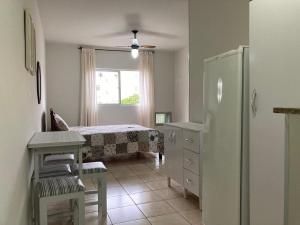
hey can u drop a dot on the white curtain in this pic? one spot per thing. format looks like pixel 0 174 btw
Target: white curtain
pixel 88 111
pixel 146 106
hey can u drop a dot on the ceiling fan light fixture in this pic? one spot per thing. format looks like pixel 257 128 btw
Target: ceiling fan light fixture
pixel 134 53
pixel 135 46
pixel 135 41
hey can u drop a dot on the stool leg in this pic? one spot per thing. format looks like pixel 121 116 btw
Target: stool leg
pixel 99 186
pixel 36 210
pixel 81 209
pixel 102 194
pixel 72 203
pixel 75 211
pixel 32 196
pixel 43 212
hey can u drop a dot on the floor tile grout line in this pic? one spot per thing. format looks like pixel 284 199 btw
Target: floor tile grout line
pixel 132 201
pixel 107 198
pixel 169 214
pixel 178 211
pixel 143 203
pixel 163 200
pixel 135 203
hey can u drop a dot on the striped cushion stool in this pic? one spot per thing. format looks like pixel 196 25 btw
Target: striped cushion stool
pixel 59 159
pixel 55 171
pixel 55 189
pixel 98 171
pixel 50 171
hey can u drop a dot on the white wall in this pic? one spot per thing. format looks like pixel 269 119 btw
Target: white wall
pixel 63 82
pixel 181 85
pixel 163 81
pixel 20 115
pixel 216 26
pixel 115 60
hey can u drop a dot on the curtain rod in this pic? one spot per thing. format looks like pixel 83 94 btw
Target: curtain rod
pixel 114 50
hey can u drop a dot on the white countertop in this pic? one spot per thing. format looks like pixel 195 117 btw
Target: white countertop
pixel 187 125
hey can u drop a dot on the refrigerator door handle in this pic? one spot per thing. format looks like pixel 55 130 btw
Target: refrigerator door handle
pixel 174 137
pixel 253 102
pixel 207 123
pixel 170 137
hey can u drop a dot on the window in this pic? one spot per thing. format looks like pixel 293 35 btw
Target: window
pixel 129 87
pixel 117 87
pixel 107 87
pixel 162 117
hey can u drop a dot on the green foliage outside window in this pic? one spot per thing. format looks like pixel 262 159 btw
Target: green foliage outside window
pixel 131 100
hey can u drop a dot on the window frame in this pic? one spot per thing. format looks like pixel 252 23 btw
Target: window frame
pixel 119 89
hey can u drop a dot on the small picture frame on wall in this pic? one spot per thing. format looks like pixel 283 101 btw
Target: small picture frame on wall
pixel 30 43
pixel 33 51
pixel 27 33
pixel 38 82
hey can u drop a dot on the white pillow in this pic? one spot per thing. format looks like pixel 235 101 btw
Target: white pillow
pixel 62 125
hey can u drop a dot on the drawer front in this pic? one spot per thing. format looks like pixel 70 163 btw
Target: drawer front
pixel 191 161
pixel 191 140
pixel 191 182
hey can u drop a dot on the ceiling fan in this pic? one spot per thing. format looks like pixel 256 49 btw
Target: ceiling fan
pixel 135 45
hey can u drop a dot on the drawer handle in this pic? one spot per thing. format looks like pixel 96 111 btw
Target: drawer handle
pixel 189 181
pixel 189 140
pixel 189 161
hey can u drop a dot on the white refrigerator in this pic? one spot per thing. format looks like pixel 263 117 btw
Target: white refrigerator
pixel 275 77
pixel 225 153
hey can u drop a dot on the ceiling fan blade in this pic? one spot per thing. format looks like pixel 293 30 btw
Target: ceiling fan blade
pixel 148 46
pixel 158 34
pixel 134 23
pixel 123 46
pixel 114 34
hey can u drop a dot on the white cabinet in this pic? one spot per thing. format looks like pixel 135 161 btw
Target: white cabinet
pixel 183 143
pixel 173 153
pixel 191 140
pixel 192 182
pixel 191 161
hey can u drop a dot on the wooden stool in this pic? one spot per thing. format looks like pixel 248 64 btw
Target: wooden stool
pixel 58 189
pixel 96 170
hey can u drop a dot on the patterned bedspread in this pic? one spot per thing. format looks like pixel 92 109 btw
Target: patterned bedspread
pixel 119 139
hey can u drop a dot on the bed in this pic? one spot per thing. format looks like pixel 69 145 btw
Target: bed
pixel 113 140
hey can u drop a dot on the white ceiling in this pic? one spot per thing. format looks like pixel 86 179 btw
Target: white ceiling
pixel 93 22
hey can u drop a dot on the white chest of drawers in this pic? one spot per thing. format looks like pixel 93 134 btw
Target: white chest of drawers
pixel 183 146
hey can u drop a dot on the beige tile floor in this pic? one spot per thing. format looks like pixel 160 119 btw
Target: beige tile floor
pixel 138 194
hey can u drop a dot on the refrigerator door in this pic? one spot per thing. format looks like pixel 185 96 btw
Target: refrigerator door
pixel 275 77
pixel 223 85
